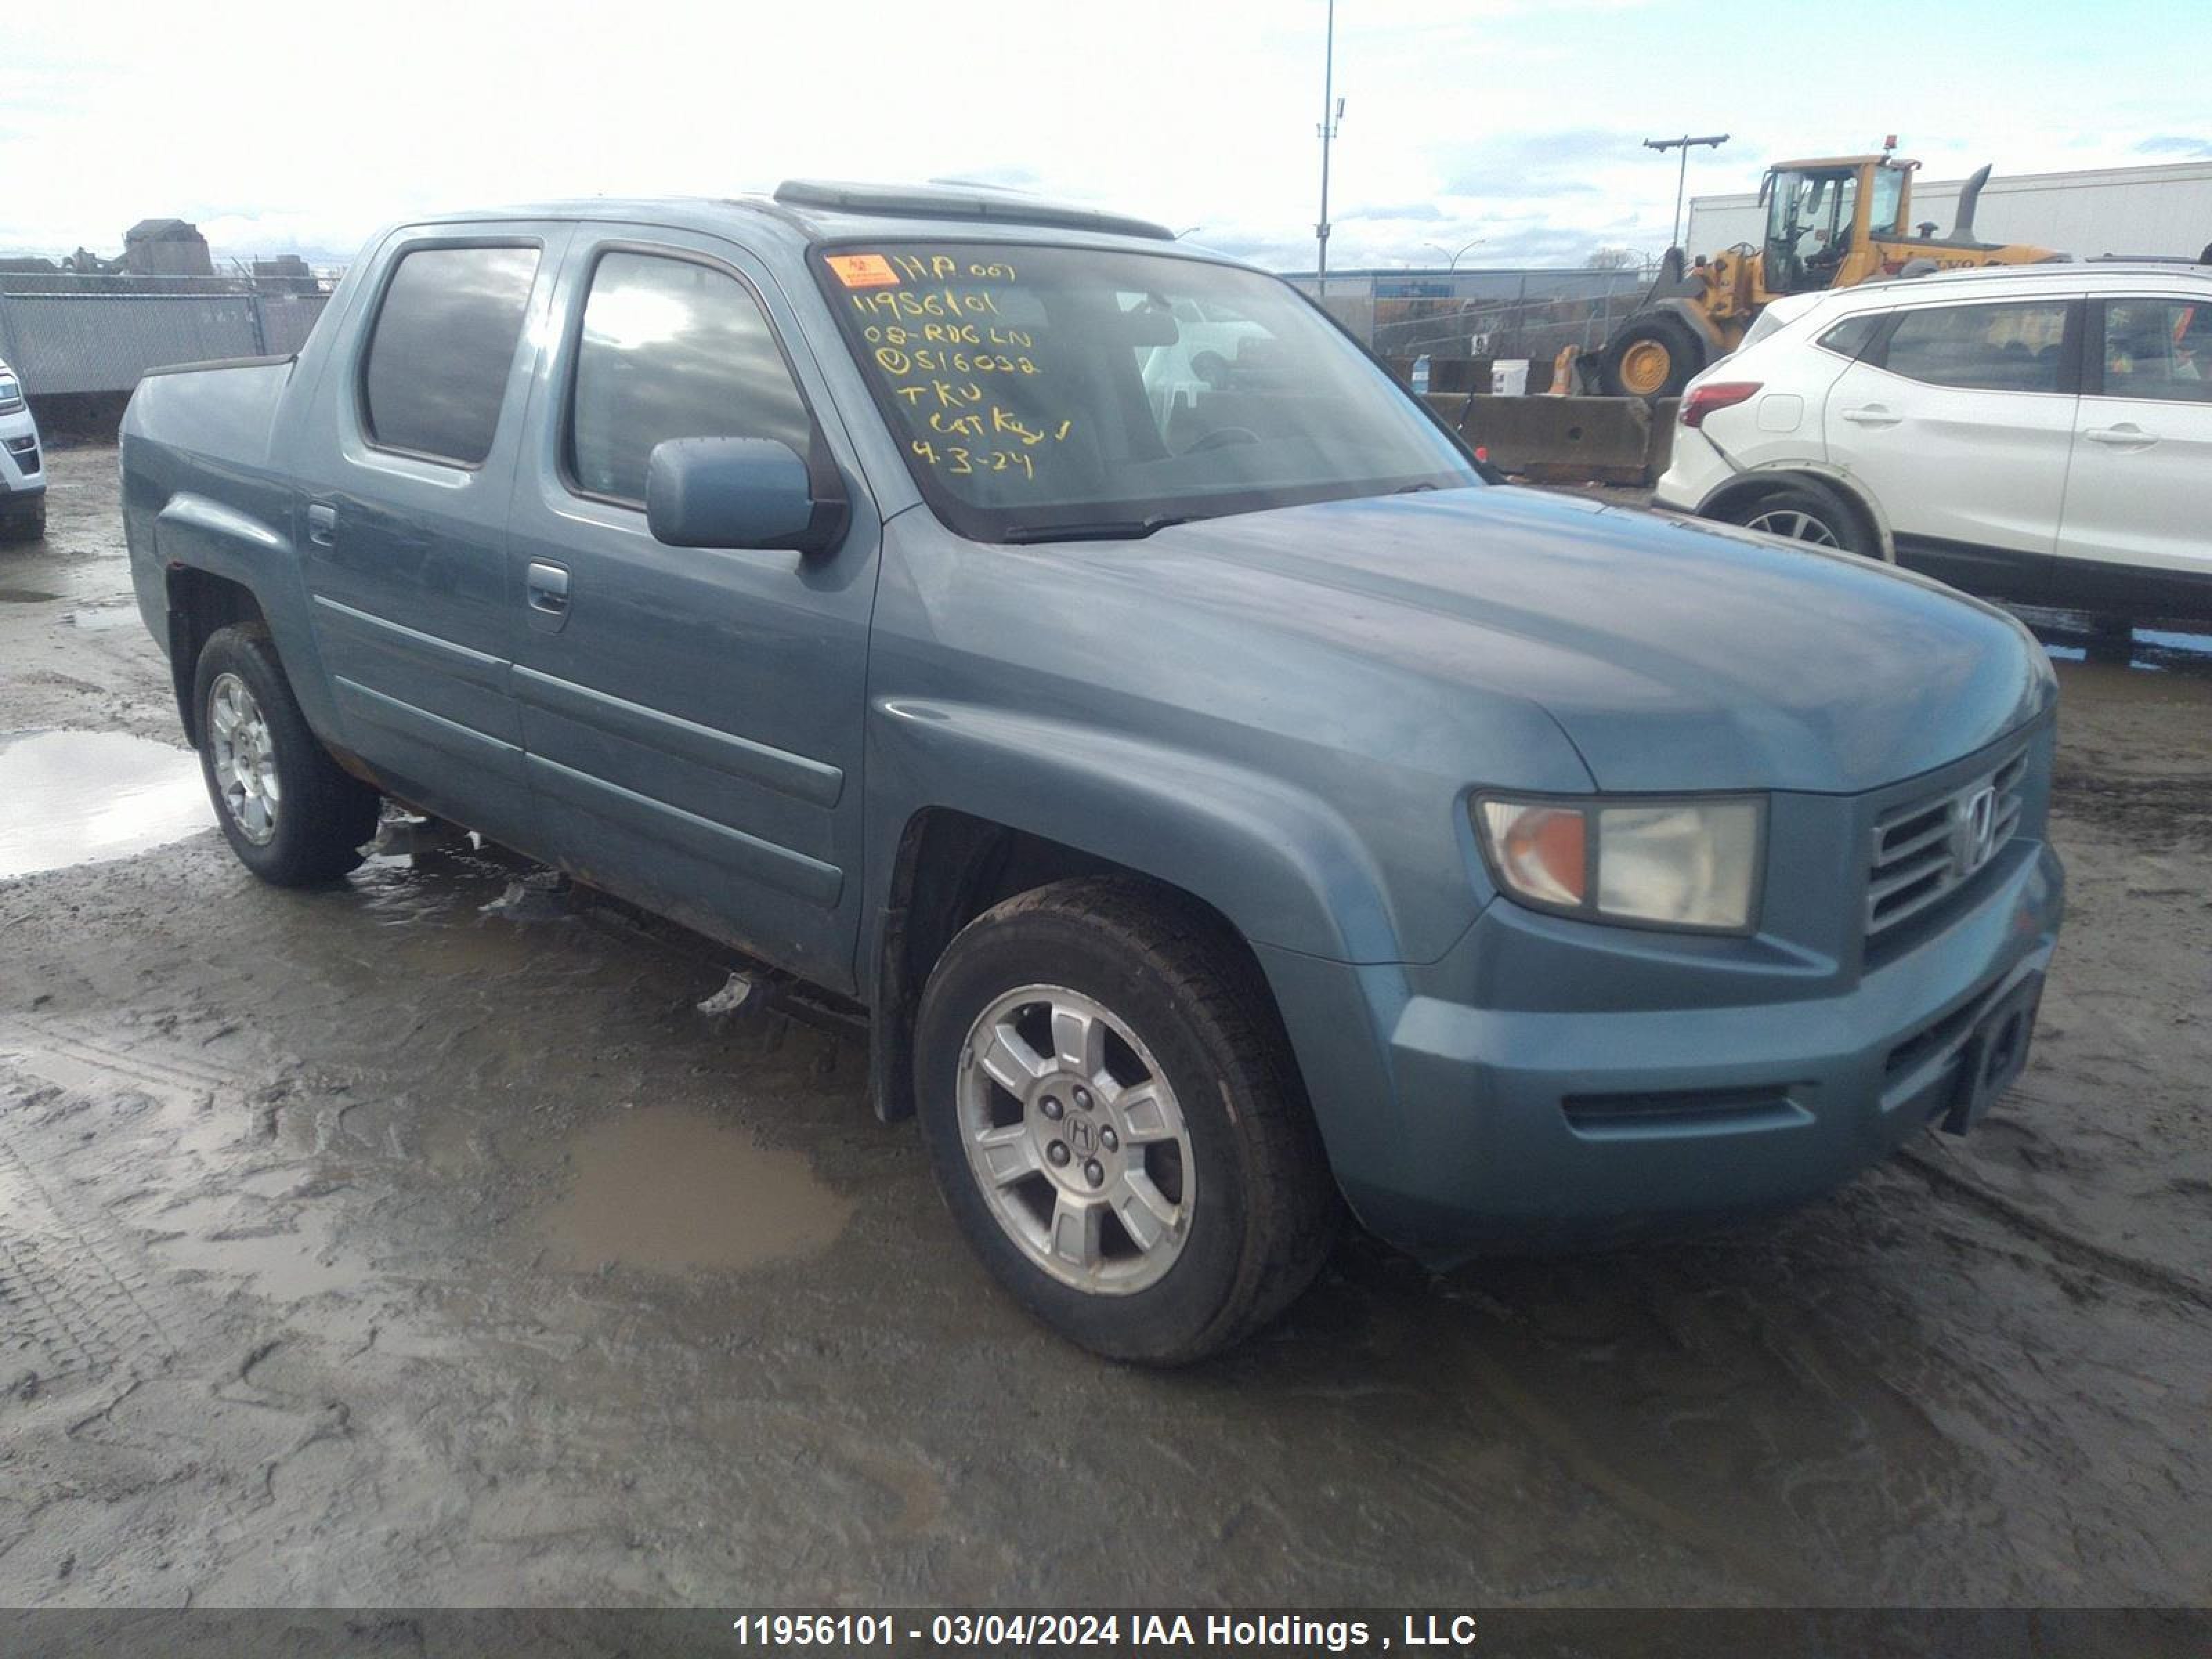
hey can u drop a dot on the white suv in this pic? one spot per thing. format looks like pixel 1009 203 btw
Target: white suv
pixel 22 468
pixel 2041 434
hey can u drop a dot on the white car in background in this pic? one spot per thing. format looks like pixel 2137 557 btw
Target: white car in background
pixel 2041 433
pixel 22 465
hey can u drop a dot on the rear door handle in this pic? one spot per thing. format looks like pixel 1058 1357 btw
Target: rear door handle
pixel 322 524
pixel 1872 414
pixel 2126 435
pixel 546 586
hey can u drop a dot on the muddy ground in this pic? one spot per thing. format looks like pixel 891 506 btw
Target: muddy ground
pixel 371 1247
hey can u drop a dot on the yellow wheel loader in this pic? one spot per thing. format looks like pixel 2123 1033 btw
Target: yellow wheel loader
pixel 1831 223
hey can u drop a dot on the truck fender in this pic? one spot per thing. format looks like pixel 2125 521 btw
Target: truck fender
pixel 194 532
pixel 1282 865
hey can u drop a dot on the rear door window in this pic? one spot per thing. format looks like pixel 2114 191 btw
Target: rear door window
pixel 1990 348
pixel 443 344
pixel 672 347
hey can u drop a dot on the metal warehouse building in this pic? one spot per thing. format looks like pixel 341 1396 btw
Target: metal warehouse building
pixel 2156 209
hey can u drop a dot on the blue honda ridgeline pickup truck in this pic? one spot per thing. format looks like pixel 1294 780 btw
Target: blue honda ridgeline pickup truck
pixel 1231 806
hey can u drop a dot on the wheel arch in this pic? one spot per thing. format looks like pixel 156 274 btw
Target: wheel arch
pixel 200 605
pixel 220 565
pixel 951 865
pixel 1746 488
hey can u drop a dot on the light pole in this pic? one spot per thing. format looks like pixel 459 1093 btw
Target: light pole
pixel 1712 141
pixel 1332 112
pixel 1457 257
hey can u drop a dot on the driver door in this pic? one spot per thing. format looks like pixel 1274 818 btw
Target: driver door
pixel 693 716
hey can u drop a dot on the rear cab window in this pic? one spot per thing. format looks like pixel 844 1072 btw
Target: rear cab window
pixel 440 351
pixel 1046 390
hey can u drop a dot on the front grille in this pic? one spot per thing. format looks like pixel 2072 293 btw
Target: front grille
pixel 24 451
pixel 1923 849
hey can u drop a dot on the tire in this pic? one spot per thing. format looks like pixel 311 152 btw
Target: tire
pixel 1197 1099
pixel 256 747
pixel 1804 511
pixel 27 525
pixel 1651 357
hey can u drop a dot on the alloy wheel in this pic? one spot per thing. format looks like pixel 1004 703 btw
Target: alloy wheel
pixel 1794 525
pixel 1075 1139
pixel 244 757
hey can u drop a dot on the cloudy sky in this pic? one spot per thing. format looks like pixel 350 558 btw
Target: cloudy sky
pixel 1517 121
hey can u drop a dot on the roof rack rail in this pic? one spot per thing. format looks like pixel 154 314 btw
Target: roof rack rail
pixel 960 202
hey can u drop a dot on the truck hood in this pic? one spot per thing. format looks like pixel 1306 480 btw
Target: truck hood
pixel 1674 654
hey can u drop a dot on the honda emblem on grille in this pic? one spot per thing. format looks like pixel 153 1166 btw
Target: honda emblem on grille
pixel 1974 831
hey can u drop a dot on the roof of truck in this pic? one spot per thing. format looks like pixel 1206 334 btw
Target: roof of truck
pixel 811 210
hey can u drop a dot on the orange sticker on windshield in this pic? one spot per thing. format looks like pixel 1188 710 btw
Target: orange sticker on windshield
pixel 863 269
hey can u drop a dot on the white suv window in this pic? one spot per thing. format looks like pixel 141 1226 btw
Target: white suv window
pixel 2158 350
pixel 1849 338
pixel 1984 348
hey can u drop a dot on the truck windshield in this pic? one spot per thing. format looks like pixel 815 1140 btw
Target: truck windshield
pixel 1042 394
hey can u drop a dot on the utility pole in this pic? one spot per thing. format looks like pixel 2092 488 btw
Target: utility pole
pixel 1713 141
pixel 1332 111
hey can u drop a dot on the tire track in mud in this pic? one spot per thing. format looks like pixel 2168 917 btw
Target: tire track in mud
pixel 2062 1242
pixel 67 1309
pixel 73 1300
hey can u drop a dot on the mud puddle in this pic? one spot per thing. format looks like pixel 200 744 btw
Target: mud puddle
pixel 289 1262
pixel 69 798
pixel 672 1191
pixel 95 619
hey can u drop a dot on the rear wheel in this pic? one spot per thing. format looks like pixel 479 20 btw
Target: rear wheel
pixel 1804 512
pixel 1651 357
pixel 291 815
pixel 1115 1124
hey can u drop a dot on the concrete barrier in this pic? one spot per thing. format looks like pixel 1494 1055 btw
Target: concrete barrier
pixel 1622 441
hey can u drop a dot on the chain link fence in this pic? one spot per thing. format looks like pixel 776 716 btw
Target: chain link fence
pixel 99 334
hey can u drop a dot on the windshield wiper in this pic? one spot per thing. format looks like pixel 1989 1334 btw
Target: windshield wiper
pixel 1099 530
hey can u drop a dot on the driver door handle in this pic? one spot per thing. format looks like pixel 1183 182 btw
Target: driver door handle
pixel 545 588
pixel 1872 414
pixel 2126 435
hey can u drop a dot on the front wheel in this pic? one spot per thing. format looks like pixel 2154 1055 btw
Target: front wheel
pixel 1115 1124
pixel 1653 356
pixel 289 813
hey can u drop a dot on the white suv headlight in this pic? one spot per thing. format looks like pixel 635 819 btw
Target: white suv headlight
pixel 11 389
pixel 1689 863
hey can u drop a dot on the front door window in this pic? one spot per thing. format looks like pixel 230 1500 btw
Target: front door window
pixel 1808 227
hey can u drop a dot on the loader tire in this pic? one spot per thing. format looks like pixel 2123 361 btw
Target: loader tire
pixel 1653 357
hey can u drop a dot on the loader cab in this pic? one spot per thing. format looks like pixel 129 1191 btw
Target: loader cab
pixel 1823 218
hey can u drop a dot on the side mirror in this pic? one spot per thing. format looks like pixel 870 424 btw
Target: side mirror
pixel 740 492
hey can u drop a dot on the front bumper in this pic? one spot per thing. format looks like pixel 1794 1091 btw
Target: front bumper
pixel 22 461
pixel 1511 1128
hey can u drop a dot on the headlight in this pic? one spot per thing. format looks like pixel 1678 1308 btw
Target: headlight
pixel 11 389
pixel 1660 863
